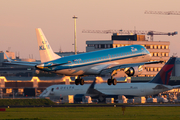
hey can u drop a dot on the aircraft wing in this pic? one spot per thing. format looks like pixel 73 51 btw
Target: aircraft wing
pixel 176 86
pixel 93 92
pixel 12 62
pixel 123 66
pixel 22 63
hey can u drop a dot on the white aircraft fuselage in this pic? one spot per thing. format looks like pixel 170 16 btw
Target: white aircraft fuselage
pixel 127 89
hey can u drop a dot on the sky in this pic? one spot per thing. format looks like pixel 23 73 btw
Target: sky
pixel 20 18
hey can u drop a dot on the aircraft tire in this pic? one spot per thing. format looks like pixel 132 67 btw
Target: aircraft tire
pixel 109 81
pixel 77 81
pixel 81 81
pixel 114 81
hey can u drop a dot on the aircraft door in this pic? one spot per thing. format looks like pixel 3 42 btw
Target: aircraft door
pixel 52 91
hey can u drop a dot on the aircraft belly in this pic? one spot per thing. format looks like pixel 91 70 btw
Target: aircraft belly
pixel 70 72
pixel 96 69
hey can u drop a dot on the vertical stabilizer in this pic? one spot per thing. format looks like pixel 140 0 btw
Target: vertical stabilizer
pixel 164 74
pixel 45 51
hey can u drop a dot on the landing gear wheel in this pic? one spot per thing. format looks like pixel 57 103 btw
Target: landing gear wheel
pixel 109 81
pixel 77 81
pixel 81 81
pixel 114 81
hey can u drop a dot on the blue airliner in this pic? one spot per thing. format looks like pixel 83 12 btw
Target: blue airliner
pixel 128 58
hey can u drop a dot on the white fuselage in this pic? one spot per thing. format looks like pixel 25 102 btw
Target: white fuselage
pixel 59 91
pixel 132 89
pixel 126 89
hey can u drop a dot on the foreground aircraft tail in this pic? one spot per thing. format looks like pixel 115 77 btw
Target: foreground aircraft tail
pixel 45 51
pixel 164 74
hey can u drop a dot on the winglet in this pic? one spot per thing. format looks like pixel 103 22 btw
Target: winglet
pixel 10 60
pixel 45 51
pixel 164 74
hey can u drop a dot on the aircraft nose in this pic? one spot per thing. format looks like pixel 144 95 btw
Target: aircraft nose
pixel 150 55
pixel 40 66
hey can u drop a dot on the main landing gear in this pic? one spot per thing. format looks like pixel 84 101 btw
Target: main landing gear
pixel 79 80
pixel 112 81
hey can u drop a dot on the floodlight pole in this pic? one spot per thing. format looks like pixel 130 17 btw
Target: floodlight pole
pixel 75 42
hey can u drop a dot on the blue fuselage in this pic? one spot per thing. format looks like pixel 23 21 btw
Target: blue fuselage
pixel 92 63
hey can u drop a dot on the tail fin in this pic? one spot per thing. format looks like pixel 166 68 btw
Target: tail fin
pixel 45 51
pixel 164 74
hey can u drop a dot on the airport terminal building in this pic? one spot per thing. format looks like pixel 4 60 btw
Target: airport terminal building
pixel 159 49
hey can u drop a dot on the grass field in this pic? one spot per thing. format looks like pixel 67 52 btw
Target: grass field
pixel 89 113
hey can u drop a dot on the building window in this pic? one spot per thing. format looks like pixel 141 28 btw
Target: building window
pixel 163 54
pixel 147 47
pixel 155 54
pixel 155 46
pixel 151 46
pixel 109 46
pixel 162 46
pixel 167 47
pixel 167 54
pixel 90 45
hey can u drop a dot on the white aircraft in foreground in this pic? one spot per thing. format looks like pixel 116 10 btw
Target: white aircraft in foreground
pixel 157 85
pixel 129 58
pixel 101 91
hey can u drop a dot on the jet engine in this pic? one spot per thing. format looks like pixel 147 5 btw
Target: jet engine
pixel 133 71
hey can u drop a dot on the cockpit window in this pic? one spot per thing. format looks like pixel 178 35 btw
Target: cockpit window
pixel 52 89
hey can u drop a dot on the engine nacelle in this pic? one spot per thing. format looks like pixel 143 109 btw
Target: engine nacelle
pixel 133 71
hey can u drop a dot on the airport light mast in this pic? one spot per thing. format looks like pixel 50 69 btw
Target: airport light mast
pixel 75 42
